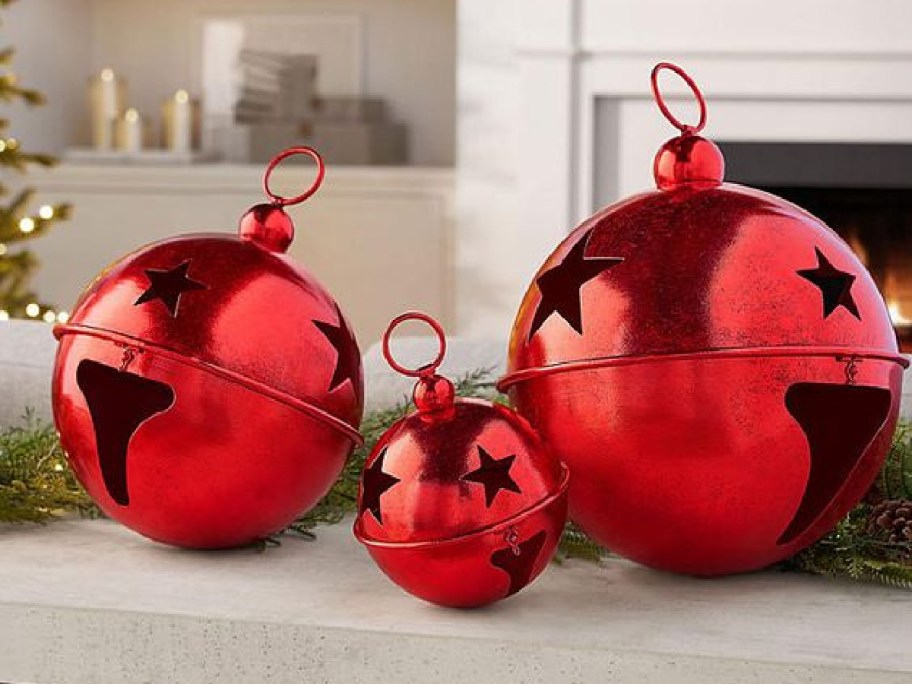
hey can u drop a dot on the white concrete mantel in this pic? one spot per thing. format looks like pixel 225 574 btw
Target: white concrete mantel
pixel 89 602
pixel 570 121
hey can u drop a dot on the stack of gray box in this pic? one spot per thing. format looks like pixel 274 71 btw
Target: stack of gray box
pixel 357 130
pixel 275 87
pixel 278 107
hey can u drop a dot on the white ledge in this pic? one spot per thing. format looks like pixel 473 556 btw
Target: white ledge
pixel 90 602
pixel 240 179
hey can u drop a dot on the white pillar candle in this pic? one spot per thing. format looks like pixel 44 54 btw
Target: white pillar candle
pixel 178 122
pixel 106 94
pixel 130 132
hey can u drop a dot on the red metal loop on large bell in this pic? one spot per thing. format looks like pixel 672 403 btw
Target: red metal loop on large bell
pixel 460 503
pixel 207 388
pixel 714 364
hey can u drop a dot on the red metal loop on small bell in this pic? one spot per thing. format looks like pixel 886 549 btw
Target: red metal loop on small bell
pixel 267 225
pixel 433 393
pixel 688 160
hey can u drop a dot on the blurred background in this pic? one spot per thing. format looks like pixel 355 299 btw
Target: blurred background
pixel 464 138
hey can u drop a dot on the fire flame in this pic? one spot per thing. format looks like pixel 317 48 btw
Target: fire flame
pixel 896 314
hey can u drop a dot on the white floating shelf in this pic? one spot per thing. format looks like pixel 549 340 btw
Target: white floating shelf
pixel 147 157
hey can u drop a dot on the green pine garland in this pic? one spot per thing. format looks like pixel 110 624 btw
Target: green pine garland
pixel 37 487
pixel 35 483
pixel 851 550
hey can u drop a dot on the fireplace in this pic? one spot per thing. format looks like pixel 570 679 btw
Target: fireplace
pixel 863 192
pixel 556 117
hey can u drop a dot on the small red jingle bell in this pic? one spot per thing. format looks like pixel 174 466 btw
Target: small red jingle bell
pixel 461 504
pixel 207 389
pixel 714 365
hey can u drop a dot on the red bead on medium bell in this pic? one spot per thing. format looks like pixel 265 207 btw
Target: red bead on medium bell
pixel 207 389
pixel 715 366
pixel 268 226
pixel 460 504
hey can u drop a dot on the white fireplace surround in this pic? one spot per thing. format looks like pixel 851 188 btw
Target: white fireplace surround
pixel 556 116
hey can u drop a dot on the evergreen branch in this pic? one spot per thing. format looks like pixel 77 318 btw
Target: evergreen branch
pixel 10 92
pixel 575 544
pixel 35 484
pixel 15 209
pixel 895 478
pixel 13 158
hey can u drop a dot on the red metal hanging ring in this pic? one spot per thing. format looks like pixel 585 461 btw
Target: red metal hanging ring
pixel 426 370
pixel 280 201
pixel 660 101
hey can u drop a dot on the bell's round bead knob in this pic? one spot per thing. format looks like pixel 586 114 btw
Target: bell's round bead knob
pixel 267 226
pixel 434 395
pixel 689 160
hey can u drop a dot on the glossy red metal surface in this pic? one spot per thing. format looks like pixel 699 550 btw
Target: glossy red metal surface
pixel 659 348
pixel 460 503
pixel 208 389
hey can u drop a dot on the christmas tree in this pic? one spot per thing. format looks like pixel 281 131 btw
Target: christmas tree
pixel 20 218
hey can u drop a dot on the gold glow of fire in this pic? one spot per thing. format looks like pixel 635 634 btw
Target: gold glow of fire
pixel 896 315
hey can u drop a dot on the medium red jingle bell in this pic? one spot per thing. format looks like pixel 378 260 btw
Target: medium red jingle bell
pixel 207 389
pixel 460 502
pixel 715 366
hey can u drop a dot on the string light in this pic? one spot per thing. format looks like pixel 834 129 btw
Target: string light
pixel 27 225
pixel 107 74
pixel 49 316
pixel 12 144
pixel 2 249
pixel 63 316
pixel 46 211
pixel 4 315
pixel 32 310
pixel 2 145
pixel 181 96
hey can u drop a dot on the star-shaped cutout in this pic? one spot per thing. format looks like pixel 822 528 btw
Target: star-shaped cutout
pixel 560 286
pixel 348 358
pixel 494 474
pixel 374 482
pixel 168 285
pixel 835 285
pixel 518 561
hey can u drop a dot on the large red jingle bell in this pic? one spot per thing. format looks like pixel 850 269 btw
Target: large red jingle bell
pixel 715 366
pixel 207 389
pixel 460 504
